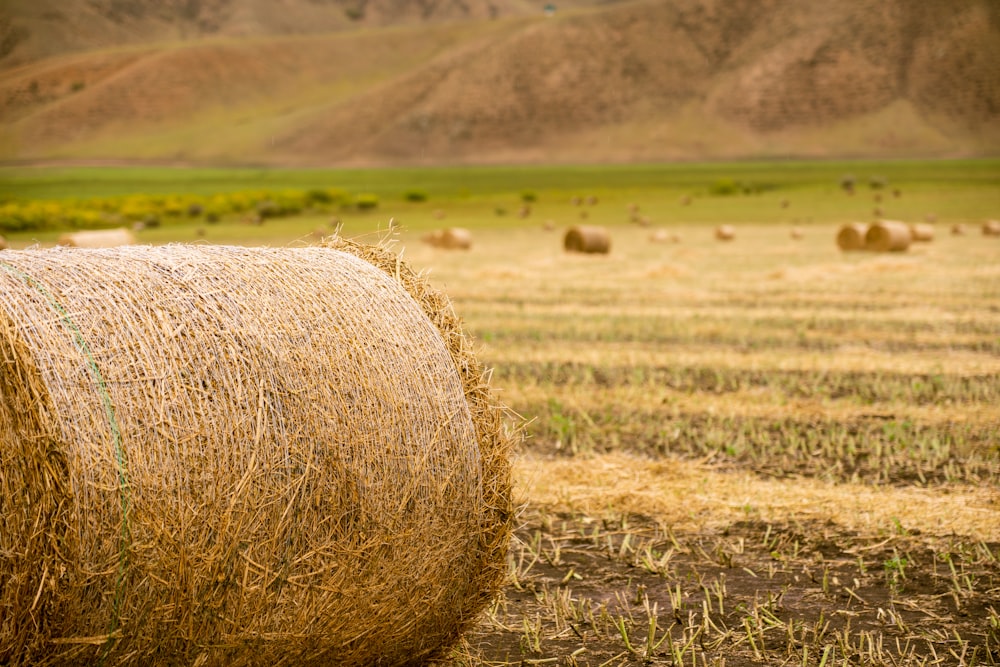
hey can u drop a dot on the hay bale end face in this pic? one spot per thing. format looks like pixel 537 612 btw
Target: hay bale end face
pixel 238 456
pixel 587 239
pixel 725 233
pixel 852 237
pixel 888 236
pixel 98 238
pixel 922 232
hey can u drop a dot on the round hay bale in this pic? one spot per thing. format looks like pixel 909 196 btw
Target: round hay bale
pixel 659 236
pixel 796 233
pixel 958 229
pixel 991 228
pixel 241 456
pixel 98 238
pixel 852 237
pixel 725 232
pixel 588 239
pixel 456 238
pixel 434 238
pixel 3 243
pixel 549 225
pixel 921 232
pixel 888 236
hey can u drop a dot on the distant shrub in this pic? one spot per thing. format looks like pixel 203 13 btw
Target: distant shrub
pixel 366 201
pixel 415 196
pixel 724 187
pixel 529 197
pixel 877 182
pixel 847 182
pixel 195 209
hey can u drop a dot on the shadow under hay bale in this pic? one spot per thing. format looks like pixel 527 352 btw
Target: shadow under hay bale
pixel 921 232
pixel 589 239
pixel 98 238
pixel 852 237
pixel 241 456
pixel 725 233
pixel 888 236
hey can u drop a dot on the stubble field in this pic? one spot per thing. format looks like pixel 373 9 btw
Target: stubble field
pixel 754 452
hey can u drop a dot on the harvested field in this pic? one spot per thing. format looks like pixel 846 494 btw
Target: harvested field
pixel 762 454
pixel 231 456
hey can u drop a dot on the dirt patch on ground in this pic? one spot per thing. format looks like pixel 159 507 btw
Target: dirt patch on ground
pixel 591 590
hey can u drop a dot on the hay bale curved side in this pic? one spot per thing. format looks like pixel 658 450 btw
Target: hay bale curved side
pixel 588 239
pixel 98 238
pixel 239 456
pixel 852 237
pixel 888 236
pixel 921 232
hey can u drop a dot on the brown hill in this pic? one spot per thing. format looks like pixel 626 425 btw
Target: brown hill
pixel 636 81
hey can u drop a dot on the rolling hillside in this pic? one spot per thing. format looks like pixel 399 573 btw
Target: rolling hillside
pixel 478 81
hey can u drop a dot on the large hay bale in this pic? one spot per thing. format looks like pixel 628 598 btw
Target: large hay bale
pixel 241 456
pixel 852 236
pixel 922 232
pixel 888 236
pixel 587 239
pixel 991 228
pixel 98 238
pixel 725 232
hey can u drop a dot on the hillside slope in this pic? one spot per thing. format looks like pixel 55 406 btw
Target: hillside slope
pixel 628 81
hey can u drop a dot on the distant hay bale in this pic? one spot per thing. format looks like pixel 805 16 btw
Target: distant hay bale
pixel 3 243
pixel 725 232
pixel 921 232
pixel 888 236
pixel 549 225
pixel 453 238
pixel 991 228
pixel 852 236
pixel 796 233
pixel 784 203
pixel 659 236
pixel 644 221
pixel 438 214
pixel 685 200
pixel 591 200
pixel 958 229
pixel 587 239
pixel 241 456
pixel 98 238
pixel 575 201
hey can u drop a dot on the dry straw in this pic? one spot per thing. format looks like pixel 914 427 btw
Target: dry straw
pixel 852 236
pixel 236 456
pixel 725 232
pixel 922 232
pixel 888 236
pixel 98 238
pixel 587 239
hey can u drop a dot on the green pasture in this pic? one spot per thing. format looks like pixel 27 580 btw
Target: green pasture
pixel 793 192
